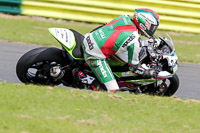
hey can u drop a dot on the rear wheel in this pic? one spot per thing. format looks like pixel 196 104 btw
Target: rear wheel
pixel 34 66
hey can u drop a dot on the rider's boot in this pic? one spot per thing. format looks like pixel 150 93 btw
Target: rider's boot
pixel 113 91
pixel 77 76
pixel 81 80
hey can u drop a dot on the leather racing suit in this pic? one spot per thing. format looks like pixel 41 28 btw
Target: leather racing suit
pixel 116 37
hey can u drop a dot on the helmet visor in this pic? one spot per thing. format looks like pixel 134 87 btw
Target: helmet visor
pixel 153 29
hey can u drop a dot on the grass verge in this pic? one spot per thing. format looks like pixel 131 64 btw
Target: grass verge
pixel 33 109
pixel 35 30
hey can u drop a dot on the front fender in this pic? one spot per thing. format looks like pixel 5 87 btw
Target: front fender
pixel 172 62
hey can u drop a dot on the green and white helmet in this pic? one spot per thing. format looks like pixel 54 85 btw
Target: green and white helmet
pixel 147 21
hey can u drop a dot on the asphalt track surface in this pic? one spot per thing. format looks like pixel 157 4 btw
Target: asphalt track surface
pixel 189 74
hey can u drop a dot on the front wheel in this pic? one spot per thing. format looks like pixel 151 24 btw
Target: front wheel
pixel 173 86
pixel 166 87
pixel 34 66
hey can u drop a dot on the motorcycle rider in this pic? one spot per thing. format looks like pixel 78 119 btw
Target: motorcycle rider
pixel 121 35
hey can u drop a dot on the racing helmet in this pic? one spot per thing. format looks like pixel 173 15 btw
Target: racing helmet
pixel 147 21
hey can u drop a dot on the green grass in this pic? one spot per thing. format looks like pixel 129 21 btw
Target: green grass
pixel 35 31
pixel 40 109
pixel 187 46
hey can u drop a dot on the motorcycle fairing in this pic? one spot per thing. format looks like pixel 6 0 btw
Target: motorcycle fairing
pixel 161 76
pixel 168 40
pixel 66 38
pixel 172 61
pixel 124 74
pixel 142 82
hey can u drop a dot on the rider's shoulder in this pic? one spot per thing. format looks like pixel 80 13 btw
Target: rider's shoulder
pixel 130 34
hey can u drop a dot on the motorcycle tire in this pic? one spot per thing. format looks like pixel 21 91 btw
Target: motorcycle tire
pixel 42 54
pixel 173 87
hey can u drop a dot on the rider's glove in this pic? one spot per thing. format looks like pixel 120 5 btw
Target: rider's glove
pixel 153 73
pixel 147 73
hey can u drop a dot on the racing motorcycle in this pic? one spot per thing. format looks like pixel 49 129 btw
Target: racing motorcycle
pixel 53 66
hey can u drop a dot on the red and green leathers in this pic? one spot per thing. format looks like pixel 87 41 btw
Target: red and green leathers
pixel 116 37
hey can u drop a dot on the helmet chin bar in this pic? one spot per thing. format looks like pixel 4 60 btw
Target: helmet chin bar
pixel 143 33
